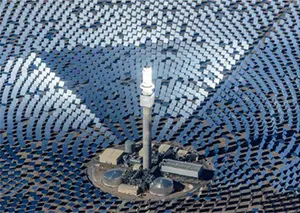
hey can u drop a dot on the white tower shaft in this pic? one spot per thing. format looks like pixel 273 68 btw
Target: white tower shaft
pixel 147 101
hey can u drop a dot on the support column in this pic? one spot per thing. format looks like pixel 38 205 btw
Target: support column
pixel 147 137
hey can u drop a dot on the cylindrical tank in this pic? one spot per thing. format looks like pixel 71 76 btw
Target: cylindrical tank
pixel 161 186
pixel 129 146
pixel 113 177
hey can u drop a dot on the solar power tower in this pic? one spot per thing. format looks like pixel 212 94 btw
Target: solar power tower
pixel 147 101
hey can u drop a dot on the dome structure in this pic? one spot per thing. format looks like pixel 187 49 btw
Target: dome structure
pixel 113 177
pixel 161 186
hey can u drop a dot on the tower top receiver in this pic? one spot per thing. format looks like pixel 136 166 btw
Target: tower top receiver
pixel 147 85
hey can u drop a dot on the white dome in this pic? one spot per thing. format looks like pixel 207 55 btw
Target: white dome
pixel 161 186
pixel 113 177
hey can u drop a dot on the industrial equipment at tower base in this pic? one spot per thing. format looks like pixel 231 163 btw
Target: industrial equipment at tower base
pixel 148 170
pixel 175 171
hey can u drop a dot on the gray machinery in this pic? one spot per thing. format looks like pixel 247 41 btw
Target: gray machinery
pixel 129 146
pixel 147 101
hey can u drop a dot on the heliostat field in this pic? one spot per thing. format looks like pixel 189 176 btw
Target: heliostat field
pixel 227 82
